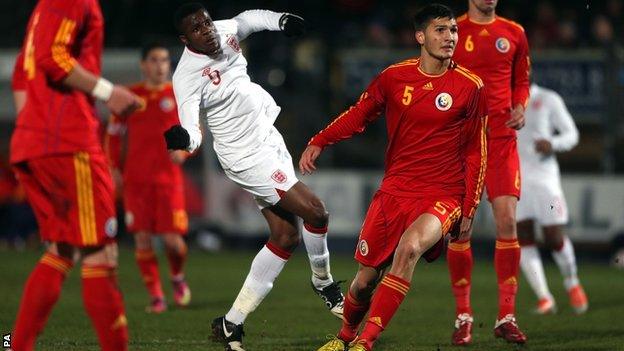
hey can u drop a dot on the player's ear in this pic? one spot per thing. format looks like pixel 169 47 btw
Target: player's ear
pixel 420 37
pixel 183 39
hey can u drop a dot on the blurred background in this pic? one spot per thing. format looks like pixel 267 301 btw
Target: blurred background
pixel 576 49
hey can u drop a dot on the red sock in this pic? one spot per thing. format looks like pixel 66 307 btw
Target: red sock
pixel 459 257
pixel 148 265
pixel 353 314
pixel 176 262
pixel 41 292
pixel 506 264
pixel 104 305
pixel 386 301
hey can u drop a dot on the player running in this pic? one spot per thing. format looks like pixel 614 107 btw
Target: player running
pixel 58 159
pixel 436 116
pixel 496 49
pixel 153 184
pixel 211 82
pixel 542 199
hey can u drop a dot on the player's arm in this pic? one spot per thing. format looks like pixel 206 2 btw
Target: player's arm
pixel 520 83
pixel 350 122
pixel 252 21
pixel 114 145
pixel 187 135
pixel 18 83
pixel 562 121
pixel 52 37
pixel 476 156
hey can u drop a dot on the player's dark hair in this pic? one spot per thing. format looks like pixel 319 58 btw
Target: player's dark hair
pixel 431 12
pixel 146 49
pixel 184 11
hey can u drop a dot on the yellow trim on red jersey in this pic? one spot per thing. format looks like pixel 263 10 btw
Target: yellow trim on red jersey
pixel 408 62
pixel 395 285
pixel 462 17
pixel 516 24
pixel 468 74
pixel 483 164
pixel 56 263
pixel 455 214
pixel 84 193
pixel 60 55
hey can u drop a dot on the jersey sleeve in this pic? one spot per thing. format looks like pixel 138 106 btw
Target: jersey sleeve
pixel 475 151
pixel 54 30
pixel 114 140
pixel 188 98
pixel 562 121
pixel 355 119
pixel 252 21
pixel 521 69
pixel 18 80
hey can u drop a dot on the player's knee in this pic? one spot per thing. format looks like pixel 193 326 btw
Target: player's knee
pixel 362 288
pixel 409 252
pixel 506 225
pixel 553 242
pixel 288 240
pixel 319 217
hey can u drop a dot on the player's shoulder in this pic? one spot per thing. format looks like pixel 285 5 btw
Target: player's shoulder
pixel 398 67
pixel 227 26
pixel 462 19
pixel 466 75
pixel 137 87
pixel 513 25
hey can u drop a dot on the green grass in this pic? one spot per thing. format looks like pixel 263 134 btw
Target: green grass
pixel 293 318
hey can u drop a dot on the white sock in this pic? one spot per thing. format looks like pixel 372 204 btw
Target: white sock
pixel 533 269
pixel 265 268
pixel 316 246
pixel 567 263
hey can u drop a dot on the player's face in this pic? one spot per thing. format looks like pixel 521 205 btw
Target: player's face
pixel 439 38
pixel 200 34
pixel 485 6
pixel 156 66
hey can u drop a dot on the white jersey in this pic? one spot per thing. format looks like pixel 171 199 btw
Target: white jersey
pixel 545 114
pixel 239 113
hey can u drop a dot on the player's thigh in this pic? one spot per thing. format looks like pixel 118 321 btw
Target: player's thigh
pixel 39 198
pixel 502 176
pixel 301 201
pixel 553 236
pixel 528 206
pixel 170 211
pixel 381 231
pixel 139 207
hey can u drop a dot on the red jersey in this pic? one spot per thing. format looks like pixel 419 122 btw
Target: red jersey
pixel 18 81
pixel 499 53
pixel 146 159
pixel 436 131
pixel 57 119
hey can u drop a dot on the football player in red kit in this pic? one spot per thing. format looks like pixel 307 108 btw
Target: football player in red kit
pixel 153 185
pixel 496 49
pixel 436 116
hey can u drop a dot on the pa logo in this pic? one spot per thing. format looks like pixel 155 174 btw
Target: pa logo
pixel 6 341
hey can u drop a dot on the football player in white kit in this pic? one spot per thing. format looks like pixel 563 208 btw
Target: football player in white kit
pixel 549 129
pixel 211 82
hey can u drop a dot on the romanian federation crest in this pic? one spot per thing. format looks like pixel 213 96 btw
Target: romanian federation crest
pixel 443 101
pixel 502 45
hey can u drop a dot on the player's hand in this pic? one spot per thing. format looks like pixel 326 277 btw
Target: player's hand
pixel 517 118
pixel 465 227
pixel 122 101
pixel 292 25
pixel 177 138
pixel 543 146
pixel 178 156
pixel 308 157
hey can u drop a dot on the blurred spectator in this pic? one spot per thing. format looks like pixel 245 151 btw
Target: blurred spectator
pixel 602 31
pixel 545 30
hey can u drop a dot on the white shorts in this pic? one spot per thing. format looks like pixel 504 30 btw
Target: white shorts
pixel 543 203
pixel 271 176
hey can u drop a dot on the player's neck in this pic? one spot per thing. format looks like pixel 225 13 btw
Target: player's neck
pixel 477 16
pixel 432 66
pixel 150 85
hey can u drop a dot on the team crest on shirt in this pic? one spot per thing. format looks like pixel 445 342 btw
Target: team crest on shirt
pixel 233 43
pixel 279 177
pixel 166 104
pixel 363 247
pixel 443 101
pixel 110 227
pixel 502 45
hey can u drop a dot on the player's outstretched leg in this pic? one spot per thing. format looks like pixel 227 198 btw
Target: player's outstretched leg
pixel 102 298
pixel 301 201
pixel 423 234
pixel 459 257
pixel 507 265
pixel 265 268
pixel 533 269
pixel 176 255
pixel 563 254
pixel 147 262
pixel 41 292
pixel 356 305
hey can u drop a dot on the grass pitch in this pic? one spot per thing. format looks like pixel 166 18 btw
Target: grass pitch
pixel 293 318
